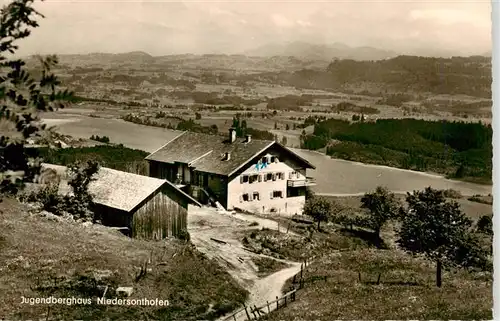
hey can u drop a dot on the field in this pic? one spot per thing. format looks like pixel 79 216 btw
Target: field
pixel 42 257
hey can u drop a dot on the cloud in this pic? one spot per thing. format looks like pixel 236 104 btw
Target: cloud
pixel 203 27
pixel 281 21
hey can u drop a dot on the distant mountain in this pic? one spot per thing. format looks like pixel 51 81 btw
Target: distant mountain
pixel 308 51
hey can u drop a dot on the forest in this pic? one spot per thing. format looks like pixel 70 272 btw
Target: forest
pixel 116 157
pixel 457 149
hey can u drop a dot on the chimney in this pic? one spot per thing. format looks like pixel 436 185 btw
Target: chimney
pixel 227 156
pixel 232 134
pixel 249 138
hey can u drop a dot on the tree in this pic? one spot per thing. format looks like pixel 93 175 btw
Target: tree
pixel 436 228
pixel 319 208
pixel 81 175
pixel 22 96
pixel 382 205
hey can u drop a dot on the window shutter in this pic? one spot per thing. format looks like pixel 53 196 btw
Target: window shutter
pixel 241 179
pixel 290 175
pixel 250 197
pixel 241 198
pixel 282 176
pixel 276 160
pixel 274 176
pixel 260 178
pixel 271 196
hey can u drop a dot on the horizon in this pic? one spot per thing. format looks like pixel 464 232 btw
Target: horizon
pixel 433 29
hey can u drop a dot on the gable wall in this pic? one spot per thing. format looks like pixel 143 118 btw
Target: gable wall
pixel 164 214
pixel 284 205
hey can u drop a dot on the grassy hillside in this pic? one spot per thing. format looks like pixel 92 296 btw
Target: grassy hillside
pixel 407 284
pixel 406 290
pixel 460 150
pixel 40 257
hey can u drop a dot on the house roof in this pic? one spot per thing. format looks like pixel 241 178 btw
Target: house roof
pixel 205 152
pixel 117 189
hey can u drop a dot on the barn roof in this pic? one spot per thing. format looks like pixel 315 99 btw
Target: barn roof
pixel 117 189
pixel 205 152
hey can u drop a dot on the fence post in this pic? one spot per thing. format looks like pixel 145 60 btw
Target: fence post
pixel 253 312
pixel 246 311
pixel 268 309
pixel 234 317
pixel 277 303
pixel 285 300
pixel 359 276
pixel 378 279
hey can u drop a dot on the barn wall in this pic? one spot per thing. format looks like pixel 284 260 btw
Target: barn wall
pixel 113 217
pixel 162 215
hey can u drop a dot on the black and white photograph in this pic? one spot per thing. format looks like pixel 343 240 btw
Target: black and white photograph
pixel 247 160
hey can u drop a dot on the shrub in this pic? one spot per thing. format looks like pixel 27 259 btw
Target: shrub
pixel 184 235
pixel 485 224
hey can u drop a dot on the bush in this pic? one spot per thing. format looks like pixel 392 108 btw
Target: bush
pixel 485 224
pixel 103 139
pixel 451 193
pixel 184 235
pixel 49 199
pixel 78 204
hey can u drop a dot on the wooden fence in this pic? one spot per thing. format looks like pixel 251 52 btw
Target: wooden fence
pixel 254 313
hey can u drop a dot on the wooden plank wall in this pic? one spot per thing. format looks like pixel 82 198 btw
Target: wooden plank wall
pixel 160 217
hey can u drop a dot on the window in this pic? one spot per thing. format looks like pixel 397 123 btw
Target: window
pixel 245 197
pixel 281 175
pixel 274 176
pixel 244 179
pixel 273 159
pixel 260 178
pixel 256 196
pixel 277 194
pixel 269 176
pixel 252 178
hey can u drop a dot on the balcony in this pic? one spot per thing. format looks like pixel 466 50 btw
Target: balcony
pixel 309 181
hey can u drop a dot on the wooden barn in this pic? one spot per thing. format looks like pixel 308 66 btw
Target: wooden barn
pixel 148 207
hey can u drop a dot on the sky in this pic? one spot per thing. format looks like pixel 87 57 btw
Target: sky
pixel 200 27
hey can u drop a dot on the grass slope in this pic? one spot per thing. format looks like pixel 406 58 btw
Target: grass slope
pixel 41 258
pixel 407 284
pixel 406 290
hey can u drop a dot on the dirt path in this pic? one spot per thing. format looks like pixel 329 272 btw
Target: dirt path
pixel 208 228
